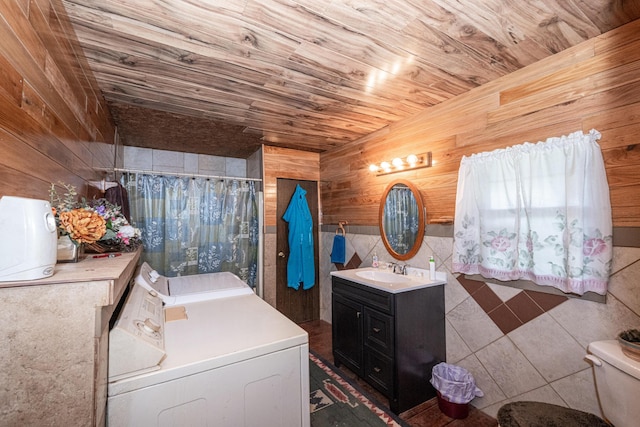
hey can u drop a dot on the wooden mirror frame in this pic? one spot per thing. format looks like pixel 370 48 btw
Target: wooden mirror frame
pixel 421 221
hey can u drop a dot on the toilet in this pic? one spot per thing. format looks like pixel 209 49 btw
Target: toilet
pixel 617 379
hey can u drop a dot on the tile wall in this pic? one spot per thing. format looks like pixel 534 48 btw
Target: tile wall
pixel 175 162
pixel 519 345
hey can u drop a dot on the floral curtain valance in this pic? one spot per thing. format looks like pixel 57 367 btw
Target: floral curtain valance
pixel 538 212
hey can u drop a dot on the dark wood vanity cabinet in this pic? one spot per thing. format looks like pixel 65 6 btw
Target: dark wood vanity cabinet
pixel 391 340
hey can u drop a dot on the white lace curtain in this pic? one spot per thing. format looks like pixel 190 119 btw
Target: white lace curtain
pixel 538 212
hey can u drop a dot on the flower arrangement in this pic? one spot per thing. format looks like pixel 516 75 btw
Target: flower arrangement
pixel 83 225
pixel 97 223
pixel 119 234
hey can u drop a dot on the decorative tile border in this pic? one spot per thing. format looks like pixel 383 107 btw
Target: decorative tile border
pixel 354 262
pixel 515 312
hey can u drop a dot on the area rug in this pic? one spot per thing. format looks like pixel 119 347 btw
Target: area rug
pixel 338 401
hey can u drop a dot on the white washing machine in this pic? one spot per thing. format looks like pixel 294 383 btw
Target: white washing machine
pixel 186 289
pixel 226 361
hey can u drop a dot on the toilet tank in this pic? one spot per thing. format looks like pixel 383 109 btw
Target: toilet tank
pixel 617 380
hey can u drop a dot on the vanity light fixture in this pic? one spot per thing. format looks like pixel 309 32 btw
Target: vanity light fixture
pixel 411 162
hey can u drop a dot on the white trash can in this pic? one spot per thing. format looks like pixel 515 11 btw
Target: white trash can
pixel 456 387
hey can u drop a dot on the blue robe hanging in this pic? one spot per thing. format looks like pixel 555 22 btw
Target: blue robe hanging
pixel 300 266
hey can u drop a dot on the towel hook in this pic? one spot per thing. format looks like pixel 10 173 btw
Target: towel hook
pixel 341 225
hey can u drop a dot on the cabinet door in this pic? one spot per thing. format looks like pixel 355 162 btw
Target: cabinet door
pixel 347 333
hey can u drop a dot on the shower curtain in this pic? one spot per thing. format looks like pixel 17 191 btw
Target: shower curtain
pixel 193 225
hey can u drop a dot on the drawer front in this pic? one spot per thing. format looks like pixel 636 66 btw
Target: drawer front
pixel 379 371
pixel 378 331
pixel 380 300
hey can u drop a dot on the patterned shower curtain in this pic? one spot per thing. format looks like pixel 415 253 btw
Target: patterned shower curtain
pixel 196 225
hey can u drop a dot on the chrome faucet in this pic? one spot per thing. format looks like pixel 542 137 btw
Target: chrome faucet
pixel 399 268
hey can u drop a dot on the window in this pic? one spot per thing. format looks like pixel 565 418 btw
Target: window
pixel 538 212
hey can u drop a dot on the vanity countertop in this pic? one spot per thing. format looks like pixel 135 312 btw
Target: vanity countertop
pixel 391 282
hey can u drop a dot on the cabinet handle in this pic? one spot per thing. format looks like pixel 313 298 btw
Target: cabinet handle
pixel 358 314
pixel 377 370
pixel 376 330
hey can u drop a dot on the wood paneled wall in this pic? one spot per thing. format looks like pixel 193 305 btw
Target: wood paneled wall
pixel 280 163
pixel 54 124
pixel 593 85
pixel 285 163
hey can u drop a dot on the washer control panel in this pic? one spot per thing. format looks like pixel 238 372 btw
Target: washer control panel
pixel 136 342
pixel 150 279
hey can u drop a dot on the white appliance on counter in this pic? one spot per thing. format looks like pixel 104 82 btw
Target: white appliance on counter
pixel 186 289
pixel 225 360
pixel 28 229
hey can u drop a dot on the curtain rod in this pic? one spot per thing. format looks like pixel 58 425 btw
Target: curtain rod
pixel 190 175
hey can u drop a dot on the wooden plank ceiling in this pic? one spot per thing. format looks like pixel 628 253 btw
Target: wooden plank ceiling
pixel 222 77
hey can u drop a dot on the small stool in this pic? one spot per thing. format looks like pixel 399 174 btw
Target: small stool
pixel 538 414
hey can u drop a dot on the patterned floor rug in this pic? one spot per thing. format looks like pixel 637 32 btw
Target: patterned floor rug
pixel 337 401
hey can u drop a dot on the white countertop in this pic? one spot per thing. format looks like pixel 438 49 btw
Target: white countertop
pixel 415 278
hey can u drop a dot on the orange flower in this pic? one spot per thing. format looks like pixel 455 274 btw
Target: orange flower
pixel 83 225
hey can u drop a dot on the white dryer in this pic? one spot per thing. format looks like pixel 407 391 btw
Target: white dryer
pixel 229 361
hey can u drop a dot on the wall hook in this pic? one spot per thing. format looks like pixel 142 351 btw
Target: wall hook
pixel 341 225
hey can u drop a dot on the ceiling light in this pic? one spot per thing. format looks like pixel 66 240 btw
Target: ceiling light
pixel 413 161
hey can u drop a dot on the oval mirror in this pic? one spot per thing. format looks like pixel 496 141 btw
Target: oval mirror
pixel 401 219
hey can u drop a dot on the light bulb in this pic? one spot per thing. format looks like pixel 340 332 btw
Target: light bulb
pixel 385 166
pixel 397 162
pixel 412 159
pixel 373 168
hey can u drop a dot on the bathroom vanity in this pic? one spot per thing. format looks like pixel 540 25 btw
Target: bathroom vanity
pixel 389 329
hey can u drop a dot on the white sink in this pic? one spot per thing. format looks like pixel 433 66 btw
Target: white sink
pixel 387 281
pixel 382 276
